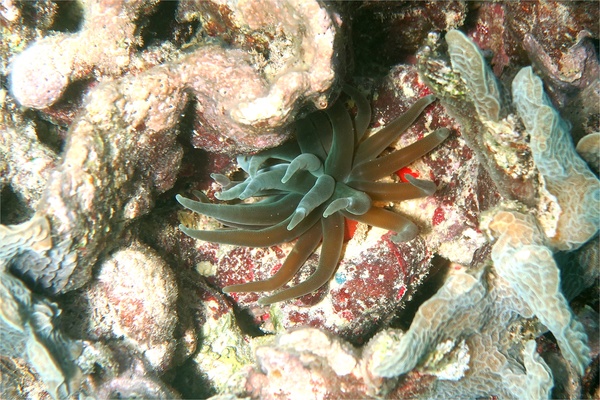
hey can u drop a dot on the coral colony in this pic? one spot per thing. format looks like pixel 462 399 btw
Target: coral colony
pixel 341 201
pixel 524 270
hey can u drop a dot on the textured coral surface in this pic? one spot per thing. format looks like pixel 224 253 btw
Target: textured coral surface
pixel 109 108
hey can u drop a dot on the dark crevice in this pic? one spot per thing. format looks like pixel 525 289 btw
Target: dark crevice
pixel 49 135
pixel 195 164
pixel 430 286
pixel 75 309
pixel 69 16
pixel 190 384
pixel 163 26
pixel 158 26
pixel 12 209
pixel 246 321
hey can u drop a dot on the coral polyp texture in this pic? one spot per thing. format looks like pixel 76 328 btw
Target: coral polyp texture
pixel 521 258
pixel 567 177
pixel 524 281
pixel 308 189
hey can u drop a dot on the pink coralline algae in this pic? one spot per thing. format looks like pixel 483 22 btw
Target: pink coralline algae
pixel 105 45
pixel 323 367
pixel 369 284
pixel 133 298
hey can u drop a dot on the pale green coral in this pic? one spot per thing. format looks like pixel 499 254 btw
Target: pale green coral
pixel 566 175
pixel 468 61
pixel 496 312
pixel 487 127
pixel 471 318
pixel 27 323
pixel 539 376
pixel 30 235
pixel 521 255
pixel 521 258
pixel 460 294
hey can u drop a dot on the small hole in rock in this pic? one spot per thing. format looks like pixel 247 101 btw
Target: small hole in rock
pixel 69 16
pixel 12 209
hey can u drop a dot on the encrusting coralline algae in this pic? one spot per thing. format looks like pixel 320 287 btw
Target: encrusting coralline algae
pixel 99 120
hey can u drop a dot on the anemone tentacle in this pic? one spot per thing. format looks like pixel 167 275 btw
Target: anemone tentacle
pixel 385 219
pixel 316 196
pixel 331 250
pixel 305 162
pixel 309 139
pixel 375 144
pixel 265 237
pixel 388 164
pixel 339 160
pixel 223 181
pixel 310 187
pixel 384 191
pixel 285 152
pixel 349 199
pixel 262 213
pixel 304 247
pixel 323 128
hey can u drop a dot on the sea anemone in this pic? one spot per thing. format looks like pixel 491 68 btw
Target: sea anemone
pixel 311 186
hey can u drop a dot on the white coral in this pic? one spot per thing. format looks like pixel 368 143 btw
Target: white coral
pixel 566 175
pixel 521 258
pixel 490 309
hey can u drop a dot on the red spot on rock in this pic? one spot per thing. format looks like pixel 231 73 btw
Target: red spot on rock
pixel 349 229
pixel 397 254
pixel 439 216
pixel 401 293
pixel 406 171
pixel 348 315
pixel 276 268
pixel 413 385
pixel 218 304
pixel 489 34
pixel 343 298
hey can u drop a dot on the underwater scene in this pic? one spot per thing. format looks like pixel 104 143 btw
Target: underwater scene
pixel 299 199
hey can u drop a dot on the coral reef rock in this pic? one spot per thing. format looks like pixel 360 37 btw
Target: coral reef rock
pixel 109 108
pixel 307 364
pixel 133 300
pixel 303 55
pixel 460 335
